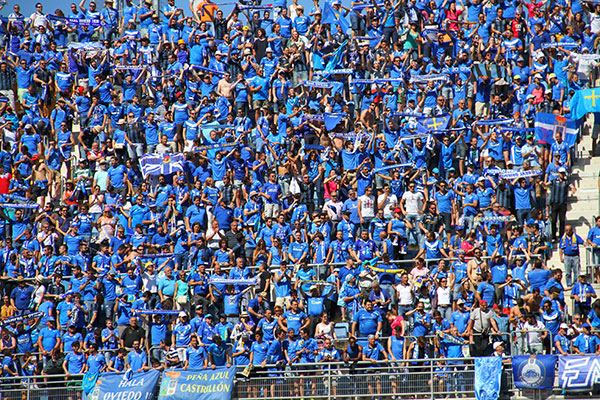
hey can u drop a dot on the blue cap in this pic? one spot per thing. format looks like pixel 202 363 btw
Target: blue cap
pixel 586 325
pixel 151 204
pixel 435 171
pixel 531 221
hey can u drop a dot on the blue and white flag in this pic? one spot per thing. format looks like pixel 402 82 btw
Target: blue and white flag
pixel 201 384
pixel 436 123
pixel 585 101
pixel 488 371
pixel 166 164
pixel 545 125
pixel 578 372
pixel 136 385
pixel 534 372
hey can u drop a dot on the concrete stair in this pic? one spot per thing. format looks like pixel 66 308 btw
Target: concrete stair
pixel 585 204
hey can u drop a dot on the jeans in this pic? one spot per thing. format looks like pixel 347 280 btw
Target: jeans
pixel 109 307
pixel 468 221
pixel 522 216
pixel 572 269
pixel 415 231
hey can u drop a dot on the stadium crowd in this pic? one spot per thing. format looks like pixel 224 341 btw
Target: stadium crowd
pixel 314 199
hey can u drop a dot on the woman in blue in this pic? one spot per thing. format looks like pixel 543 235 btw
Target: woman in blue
pixel 276 253
pixel 258 357
pixel 211 194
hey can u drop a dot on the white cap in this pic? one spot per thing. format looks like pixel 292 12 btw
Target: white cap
pixel 182 314
pixel 562 169
pixel 496 344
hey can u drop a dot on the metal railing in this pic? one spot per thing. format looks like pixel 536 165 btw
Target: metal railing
pixel 421 378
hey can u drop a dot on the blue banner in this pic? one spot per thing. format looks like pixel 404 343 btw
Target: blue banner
pixel 136 385
pixel 545 125
pixel 201 384
pixel 585 101
pixel 534 372
pixel 488 371
pixel 578 372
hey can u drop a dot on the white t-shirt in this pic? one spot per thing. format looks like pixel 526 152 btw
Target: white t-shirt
pixel 413 202
pixel 404 295
pixel 367 206
pixel 443 296
pixel 389 206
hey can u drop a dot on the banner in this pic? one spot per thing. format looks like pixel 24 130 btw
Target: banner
pixel 12 205
pixel 319 85
pixel 488 371
pixel 131 385
pixel 78 21
pixel 153 312
pixel 381 169
pixel 578 372
pixel 427 78
pixel 584 101
pixel 156 164
pixel 343 71
pixel 227 281
pixel 362 81
pixel 556 44
pixel 520 174
pixel 546 124
pixel 534 372
pixel 218 146
pixel 500 121
pixel 204 384
pixel 21 318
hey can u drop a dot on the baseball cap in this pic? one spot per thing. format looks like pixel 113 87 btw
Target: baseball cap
pixel 562 169
pixel 482 302
pixel 496 344
pixel 182 314
pixel 564 326
pixel 460 301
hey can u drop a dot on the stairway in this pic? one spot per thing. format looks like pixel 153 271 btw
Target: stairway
pixel 585 204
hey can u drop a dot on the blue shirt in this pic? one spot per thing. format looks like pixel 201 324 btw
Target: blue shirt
pixel 367 321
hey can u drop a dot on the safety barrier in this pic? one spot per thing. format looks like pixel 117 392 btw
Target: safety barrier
pixel 419 378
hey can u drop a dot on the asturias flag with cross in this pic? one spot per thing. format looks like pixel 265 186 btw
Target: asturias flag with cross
pixel 433 124
pixel 585 101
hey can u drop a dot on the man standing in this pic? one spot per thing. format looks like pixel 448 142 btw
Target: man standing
pixel 481 324
pixel 569 253
pixel 559 190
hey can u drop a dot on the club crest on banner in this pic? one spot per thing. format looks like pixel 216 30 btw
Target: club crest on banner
pixel 532 373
